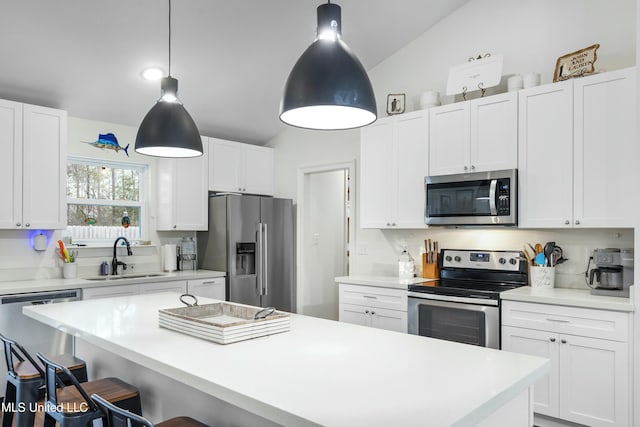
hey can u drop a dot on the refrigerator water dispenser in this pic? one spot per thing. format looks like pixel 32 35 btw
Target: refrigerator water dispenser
pixel 245 258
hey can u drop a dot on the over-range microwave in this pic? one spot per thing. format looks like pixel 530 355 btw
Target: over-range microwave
pixel 471 199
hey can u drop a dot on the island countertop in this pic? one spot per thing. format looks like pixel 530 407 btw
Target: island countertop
pixel 321 372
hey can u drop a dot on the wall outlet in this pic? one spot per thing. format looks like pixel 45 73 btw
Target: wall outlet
pixel 363 250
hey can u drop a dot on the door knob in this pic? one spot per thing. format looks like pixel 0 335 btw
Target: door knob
pixel 567 222
pixel 466 168
pixel 577 222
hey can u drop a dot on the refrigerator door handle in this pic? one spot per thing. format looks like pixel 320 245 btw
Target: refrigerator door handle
pixel 265 252
pixel 259 260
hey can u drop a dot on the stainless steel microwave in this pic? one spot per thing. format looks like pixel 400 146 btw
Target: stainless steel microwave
pixel 471 199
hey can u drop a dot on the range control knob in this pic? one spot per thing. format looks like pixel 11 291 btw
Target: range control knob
pixel 513 261
pixel 447 258
pixel 502 261
pixel 457 259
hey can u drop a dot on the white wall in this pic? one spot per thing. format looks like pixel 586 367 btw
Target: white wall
pixel 531 35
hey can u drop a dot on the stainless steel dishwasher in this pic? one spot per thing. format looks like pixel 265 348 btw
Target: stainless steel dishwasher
pixel 33 335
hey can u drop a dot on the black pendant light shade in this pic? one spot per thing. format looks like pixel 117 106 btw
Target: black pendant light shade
pixel 328 88
pixel 168 130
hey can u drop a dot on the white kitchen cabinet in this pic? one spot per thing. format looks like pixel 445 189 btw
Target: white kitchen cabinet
pixel 240 168
pixel 110 291
pixel 474 136
pixel 393 153
pixel 182 193
pixel 157 287
pixel 576 152
pixel 382 308
pixel 33 167
pixel 589 353
pixel 208 288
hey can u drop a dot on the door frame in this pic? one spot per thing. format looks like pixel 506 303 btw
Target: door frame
pixel 302 173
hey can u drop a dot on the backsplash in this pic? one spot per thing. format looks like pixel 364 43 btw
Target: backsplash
pixel 377 251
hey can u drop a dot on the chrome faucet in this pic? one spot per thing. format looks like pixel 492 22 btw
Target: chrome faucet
pixel 114 262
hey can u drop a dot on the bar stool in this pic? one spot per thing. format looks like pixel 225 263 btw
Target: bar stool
pixel 25 382
pixel 71 406
pixel 120 417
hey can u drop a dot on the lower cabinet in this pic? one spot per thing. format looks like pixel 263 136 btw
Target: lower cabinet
pixel 208 288
pixel 589 352
pixel 134 289
pixel 154 288
pixel 382 308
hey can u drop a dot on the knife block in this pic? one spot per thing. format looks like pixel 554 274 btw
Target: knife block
pixel 429 270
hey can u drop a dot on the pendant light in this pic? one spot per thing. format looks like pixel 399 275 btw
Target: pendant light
pixel 328 87
pixel 168 130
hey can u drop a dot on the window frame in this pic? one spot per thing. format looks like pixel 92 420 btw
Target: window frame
pixel 142 204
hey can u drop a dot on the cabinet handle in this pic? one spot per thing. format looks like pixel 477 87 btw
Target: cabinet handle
pixel 373 312
pixel 473 167
pixel 557 320
pixel 567 222
pixel 27 225
pixel 18 224
pixel 175 226
pixel 366 312
pixel 370 296
pixel 393 224
pixel 563 341
pixel 466 168
pixel 244 189
pixel 239 188
pixel 208 283
pixel 577 222
pixel 552 339
pixel 388 224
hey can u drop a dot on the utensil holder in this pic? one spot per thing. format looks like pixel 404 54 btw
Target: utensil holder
pixel 430 270
pixel 69 270
pixel 542 277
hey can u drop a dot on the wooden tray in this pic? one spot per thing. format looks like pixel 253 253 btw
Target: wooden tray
pixel 223 322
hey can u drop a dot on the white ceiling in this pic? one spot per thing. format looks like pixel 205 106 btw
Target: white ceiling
pixel 231 57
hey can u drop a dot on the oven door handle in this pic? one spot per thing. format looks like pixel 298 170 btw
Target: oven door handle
pixel 455 300
pixel 492 197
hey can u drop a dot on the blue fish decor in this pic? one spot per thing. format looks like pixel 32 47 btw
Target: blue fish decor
pixel 110 142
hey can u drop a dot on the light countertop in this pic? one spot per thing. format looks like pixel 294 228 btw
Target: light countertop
pixel 570 297
pixel 41 285
pixel 320 372
pixel 381 281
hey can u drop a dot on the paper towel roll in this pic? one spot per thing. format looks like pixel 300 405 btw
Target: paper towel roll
pixel 169 258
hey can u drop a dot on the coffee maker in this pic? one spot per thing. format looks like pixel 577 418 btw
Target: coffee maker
pixel 613 274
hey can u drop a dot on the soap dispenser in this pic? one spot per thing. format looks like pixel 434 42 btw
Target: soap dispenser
pixel 406 265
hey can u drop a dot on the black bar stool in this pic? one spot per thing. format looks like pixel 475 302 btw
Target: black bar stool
pixel 25 382
pixel 71 406
pixel 119 417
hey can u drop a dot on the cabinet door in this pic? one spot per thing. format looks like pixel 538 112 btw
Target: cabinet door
pixel 258 170
pixel 391 320
pixel 594 381
pixel 545 156
pixel 411 147
pixel 449 138
pixel 225 165
pixel 44 187
pixel 494 132
pixel 376 186
pixel 605 149
pixel 356 314
pixel 11 164
pixel 541 344
pixel 208 288
pixel 110 291
pixel 157 287
pixel 190 202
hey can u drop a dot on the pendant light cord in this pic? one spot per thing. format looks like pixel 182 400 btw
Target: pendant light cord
pixel 169 38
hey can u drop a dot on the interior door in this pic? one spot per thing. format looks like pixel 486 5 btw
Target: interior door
pixel 243 216
pixel 278 289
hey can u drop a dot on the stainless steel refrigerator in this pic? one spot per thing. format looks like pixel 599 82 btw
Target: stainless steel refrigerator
pixel 251 238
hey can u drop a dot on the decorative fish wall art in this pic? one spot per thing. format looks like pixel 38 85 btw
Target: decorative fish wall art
pixel 108 141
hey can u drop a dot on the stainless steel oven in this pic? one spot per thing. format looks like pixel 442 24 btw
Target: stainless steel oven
pixel 464 305
pixel 479 198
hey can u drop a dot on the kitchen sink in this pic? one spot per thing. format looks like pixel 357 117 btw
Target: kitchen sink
pixel 126 276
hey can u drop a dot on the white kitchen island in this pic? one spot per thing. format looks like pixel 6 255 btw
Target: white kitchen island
pixel 319 373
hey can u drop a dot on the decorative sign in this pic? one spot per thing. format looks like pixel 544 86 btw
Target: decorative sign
pixel 576 64
pixel 395 103
pixel 476 74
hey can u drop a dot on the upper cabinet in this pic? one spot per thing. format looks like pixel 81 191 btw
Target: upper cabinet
pixel 182 194
pixel 33 168
pixel 240 168
pixel 474 136
pixel 576 152
pixel 393 153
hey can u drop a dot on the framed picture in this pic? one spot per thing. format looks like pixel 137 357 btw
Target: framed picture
pixel 395 103
pixel 576 64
